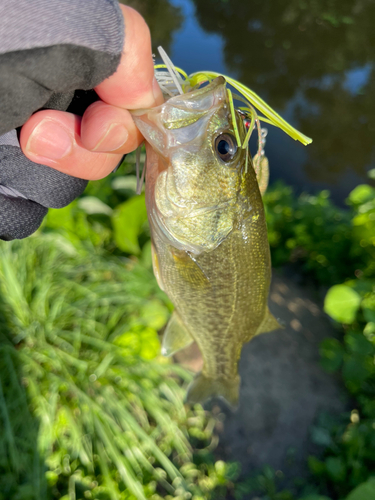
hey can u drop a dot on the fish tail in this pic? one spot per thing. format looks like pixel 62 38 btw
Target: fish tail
pixel 203 388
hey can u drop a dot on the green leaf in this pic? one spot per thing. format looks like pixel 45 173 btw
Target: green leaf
pixel 92 205
pixel 125 183
pixel 146 257
pixel 128 220
pixel 369 314
pixel 331 352
pixel 316 466
pixel 369 330
pixel 141 341
pixel 62 218
pixel 368 306
pixel 358 344
pixel 361 194
pixel 154 314
pixel 150 345
pixel 336 468
pixel 371 173
pixel 355 370
pixel 342 303
pixel 364 491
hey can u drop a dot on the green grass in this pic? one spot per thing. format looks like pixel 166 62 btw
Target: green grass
pixel 88 409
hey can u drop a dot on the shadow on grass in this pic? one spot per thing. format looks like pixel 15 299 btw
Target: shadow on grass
pixel 22 471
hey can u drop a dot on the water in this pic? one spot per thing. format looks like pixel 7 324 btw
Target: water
pixel 313 61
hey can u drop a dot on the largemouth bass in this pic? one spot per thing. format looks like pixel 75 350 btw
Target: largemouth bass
pixel 210 249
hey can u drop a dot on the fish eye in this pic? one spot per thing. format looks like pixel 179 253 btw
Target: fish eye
pixel 226 147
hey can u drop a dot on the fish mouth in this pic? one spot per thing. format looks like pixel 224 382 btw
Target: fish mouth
pixel 184 100
pixel 179 120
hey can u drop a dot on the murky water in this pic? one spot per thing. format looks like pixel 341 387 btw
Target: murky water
pixel 313 61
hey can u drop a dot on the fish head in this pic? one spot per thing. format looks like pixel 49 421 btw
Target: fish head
pixel 193 182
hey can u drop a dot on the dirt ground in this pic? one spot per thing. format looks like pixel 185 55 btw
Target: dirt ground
pixel 283 387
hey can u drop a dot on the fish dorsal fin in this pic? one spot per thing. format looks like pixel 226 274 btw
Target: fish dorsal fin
pixel 176 336
pixel 190 270
pixel 269 323
pixel 203 388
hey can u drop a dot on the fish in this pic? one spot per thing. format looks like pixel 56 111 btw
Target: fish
pixel 210 250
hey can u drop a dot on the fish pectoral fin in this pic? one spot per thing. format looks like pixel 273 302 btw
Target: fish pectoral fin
pixel 156 268
pixel 203 388
pixel 176 336
pixel 269 323
pixel 190 270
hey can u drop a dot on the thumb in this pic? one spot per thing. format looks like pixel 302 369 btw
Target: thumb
pixel 133 86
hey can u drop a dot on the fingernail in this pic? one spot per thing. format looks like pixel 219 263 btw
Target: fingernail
pixel 114 138
pixel 49 140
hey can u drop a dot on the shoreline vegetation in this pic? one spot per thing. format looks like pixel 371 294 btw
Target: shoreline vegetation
pixel 88 407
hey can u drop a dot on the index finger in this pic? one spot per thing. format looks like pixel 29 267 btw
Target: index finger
pixel 133 86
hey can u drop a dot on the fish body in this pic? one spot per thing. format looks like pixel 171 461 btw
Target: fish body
pixel 210 248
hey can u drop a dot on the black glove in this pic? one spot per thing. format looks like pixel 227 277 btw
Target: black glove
pixel 48 49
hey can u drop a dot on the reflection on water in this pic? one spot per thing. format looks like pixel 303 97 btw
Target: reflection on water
pixel 162 17
pixel 312 60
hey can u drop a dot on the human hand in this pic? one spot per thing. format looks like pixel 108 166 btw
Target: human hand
pixel 46 54
pixel 92 146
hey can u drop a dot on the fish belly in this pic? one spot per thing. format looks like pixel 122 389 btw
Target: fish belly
pixel 220 296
